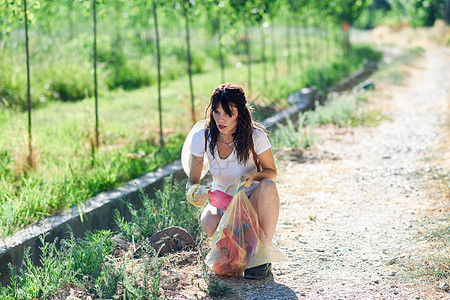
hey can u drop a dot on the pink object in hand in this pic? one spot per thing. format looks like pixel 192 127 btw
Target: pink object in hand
pixel 219 199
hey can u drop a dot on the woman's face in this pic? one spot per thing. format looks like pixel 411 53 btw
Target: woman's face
pixel 225 123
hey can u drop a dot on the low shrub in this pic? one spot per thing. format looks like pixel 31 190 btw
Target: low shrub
pixel 292 136
pixel 170 208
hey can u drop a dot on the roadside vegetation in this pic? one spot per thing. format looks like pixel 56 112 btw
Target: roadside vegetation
pixel 99 267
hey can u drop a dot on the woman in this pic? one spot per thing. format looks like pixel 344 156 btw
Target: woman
pixel 234 145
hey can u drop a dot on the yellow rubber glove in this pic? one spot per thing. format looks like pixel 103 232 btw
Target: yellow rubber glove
pixel 198 195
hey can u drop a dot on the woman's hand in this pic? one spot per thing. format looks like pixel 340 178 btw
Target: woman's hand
pixel 249 179
pixel 201 196
pixel 269 169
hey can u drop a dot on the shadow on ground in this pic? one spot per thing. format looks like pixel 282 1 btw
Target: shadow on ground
pixel 254 289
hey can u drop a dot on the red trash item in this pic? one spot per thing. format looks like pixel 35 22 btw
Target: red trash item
pixel 219 199
pixel 232 256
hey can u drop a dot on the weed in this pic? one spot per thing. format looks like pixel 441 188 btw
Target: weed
pixel 89 254
pixel 32 281
pixel 170 208
pixel 292 136
pixel 105 286
pixel 213 287
pixel 144 282
pixel 312 218
pixel 344 111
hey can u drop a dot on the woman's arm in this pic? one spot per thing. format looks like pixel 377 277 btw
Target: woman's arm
pixel 269 170
pixel 195 173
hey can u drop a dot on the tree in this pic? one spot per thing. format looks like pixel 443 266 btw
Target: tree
pixel 426 12
pixel 185 6
pixel 242 11
pixel 214 9
pixel 345 12
pixel 263 10
pixel 94 16
pixel 30 144
pixel 158 58
pixel 10 11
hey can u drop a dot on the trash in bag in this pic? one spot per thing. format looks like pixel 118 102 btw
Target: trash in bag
pixel 219 199
pixel 239 242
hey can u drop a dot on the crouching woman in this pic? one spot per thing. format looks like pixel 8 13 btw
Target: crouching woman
pixel 236 147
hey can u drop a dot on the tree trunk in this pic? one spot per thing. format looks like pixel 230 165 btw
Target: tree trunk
pixel 249 58
pixel 299 45
pixel 219 43
pixel 288 44
pixel 189 62
pixel 117 22
pixel 274 52
pixel 30 159
pixel 94 14
pixel 69 19
pixel 318 39
pixel 308 38
pixel 263 53
pixel 158 59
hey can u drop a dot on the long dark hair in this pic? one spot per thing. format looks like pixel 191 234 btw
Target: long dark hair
pixel 230 95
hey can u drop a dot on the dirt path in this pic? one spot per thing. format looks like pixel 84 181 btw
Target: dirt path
pixel 350 207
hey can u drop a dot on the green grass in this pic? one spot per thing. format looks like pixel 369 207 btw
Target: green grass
pixel 213 287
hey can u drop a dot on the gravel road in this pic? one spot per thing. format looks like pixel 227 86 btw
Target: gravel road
pixel 351 205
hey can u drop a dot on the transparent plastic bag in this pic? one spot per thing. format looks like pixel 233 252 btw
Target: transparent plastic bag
pixel 239 241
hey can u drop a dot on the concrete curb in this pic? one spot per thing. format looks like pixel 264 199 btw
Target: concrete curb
pixel 98 211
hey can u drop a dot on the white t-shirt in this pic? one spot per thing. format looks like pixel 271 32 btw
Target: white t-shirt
pixel 226 171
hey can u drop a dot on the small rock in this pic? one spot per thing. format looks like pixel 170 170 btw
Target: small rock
pixel 118 240
pixel 376 281
pixel 442 285
pixel 392 261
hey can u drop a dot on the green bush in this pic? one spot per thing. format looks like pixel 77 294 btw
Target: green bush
pixel 30 281
pixel 70 81
pixel 131 74
pixel 89 254
pixel 292 136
